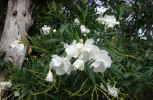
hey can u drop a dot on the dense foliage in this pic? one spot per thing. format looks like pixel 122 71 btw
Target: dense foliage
pixel 131 71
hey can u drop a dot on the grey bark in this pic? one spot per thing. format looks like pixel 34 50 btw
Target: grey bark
pixel 17 23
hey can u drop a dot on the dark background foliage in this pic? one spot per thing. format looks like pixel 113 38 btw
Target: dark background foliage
pixel 129 45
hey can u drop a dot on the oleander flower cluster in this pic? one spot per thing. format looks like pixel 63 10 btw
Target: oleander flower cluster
pixel 4 84
pixel 17 47
pixel 109 21
pixel 16 94
pixel 83 29
pixel 46 30
pixel 112 90
pixel 77 21
pixel 82 52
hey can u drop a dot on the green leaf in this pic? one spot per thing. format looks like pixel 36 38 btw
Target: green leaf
pixel 51 96
pixel 112 9
pixel 139 89
pixel 54 40
pixel 24 92
pixel 78 6
pixel 126 75
pixel 35 97
pixel 91 75
pixel 121 10
pixel 76 36
pixel 146 75
pixel 147 53
pixel 76 79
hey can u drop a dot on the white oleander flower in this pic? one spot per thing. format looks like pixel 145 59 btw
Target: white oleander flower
pixel 84 30
pixel 78 64
pixel 16 47
pixel 5 84
pixel 112 90
pixel 54 30
pixel 49 77
pixel 46 30
pixel 16 93
pixel 56 63
pixel 108 20
pixel 102 62
pixel 61 65
pixel 77 21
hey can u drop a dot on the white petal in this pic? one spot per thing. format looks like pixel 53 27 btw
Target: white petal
pixel 51 64
pixel 74 42
pixel 66 45
pixel 101 68
pixel 104 51
pixel 9 84
pixel 78 64
pixel 71 51
pixel 61 65
pixel 89 42
pixel 96 64
pixel 94 53
pixel 105 58
pixel 77 21
pixel 59 70
pixel 16 47
pixel 88 48
pixel 67 65
pixel 54 31
pixel 102 86
pixel 56 62
pixel 88 31
pixel 113 91
pixel 5 84
pixel 16 93
pixel 79 45
pixel 84 56
pixel 83 29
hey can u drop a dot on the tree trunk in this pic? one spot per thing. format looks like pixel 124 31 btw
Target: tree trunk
pixel 17 23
